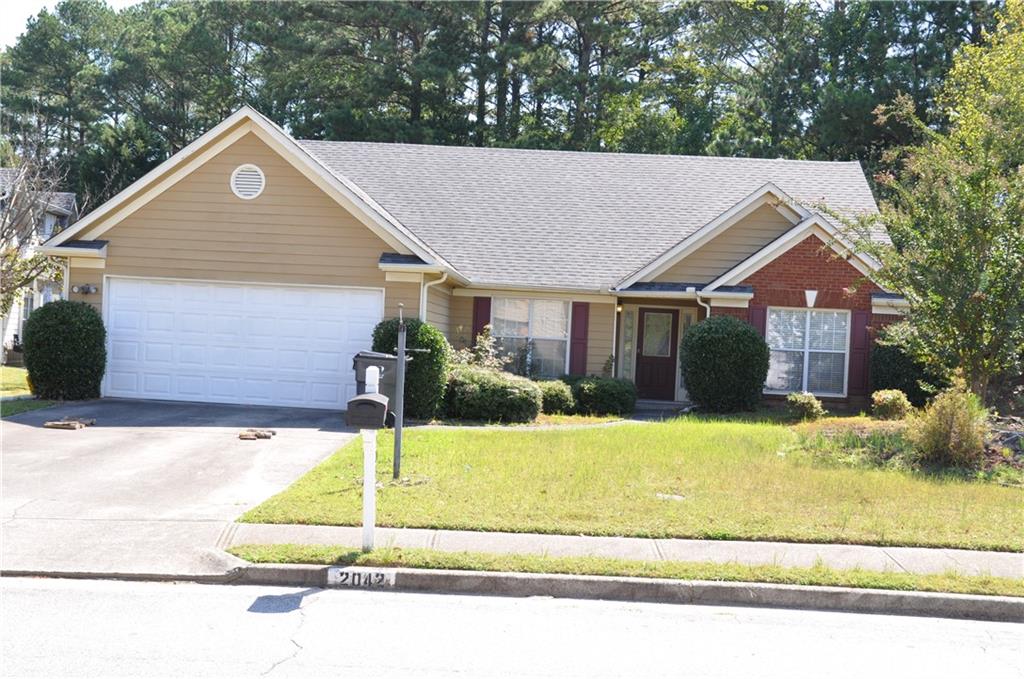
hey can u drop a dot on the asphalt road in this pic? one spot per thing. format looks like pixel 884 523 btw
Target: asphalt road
pixel 55 628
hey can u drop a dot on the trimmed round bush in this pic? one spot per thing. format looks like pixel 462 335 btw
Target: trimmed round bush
pixel 557 397
pixel 890 404
pixel 894 368
pixel 492 395
pixel 724 363
pixel 805 406
pixel 65 351
pixel 427 373
pixel 604 396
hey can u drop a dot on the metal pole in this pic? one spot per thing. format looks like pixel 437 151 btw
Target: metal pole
pixel 369 486
pixel 399 399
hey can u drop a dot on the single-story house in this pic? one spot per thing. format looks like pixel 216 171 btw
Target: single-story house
pixel 250 266
pixel 61 210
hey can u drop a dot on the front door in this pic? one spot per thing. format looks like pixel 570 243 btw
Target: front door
pixel 656 347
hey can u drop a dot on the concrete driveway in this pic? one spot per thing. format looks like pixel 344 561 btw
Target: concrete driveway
pixel 153 487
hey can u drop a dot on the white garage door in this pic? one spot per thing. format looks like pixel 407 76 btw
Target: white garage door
pixel 236 343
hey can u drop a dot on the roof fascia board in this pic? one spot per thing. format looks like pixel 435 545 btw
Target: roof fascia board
pixel 786 206
pixel 345 192
pixel 351 197
pixel 417 268
pixel 813 225
pixel 685 294
pixel 186 156
pixel 57 251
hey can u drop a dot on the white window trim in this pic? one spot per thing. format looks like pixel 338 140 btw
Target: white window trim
pixel 807 351
pixel 529 325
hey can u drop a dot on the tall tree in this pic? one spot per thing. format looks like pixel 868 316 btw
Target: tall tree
pixel 956 218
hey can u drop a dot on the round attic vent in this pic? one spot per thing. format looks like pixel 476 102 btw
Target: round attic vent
pixel 247 181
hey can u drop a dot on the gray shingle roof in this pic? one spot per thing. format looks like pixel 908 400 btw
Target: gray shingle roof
pixel 569 219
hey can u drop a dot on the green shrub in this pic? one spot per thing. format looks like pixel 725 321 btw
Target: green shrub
pixel 491 395
pixel 65 351
pixel 951 430
pixel 604 396
pixel 890 404
pixel 557 397
pixel 805 406
pixel 893 368
pixel 427 372
pixel 724 362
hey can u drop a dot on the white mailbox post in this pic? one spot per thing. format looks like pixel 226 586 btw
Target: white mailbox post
pixel 368 411
pixel 370 466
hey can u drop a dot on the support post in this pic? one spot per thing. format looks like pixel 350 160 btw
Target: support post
pixel 399 399
pixel 369 486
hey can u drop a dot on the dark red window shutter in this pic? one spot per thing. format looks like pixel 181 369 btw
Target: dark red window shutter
pixel 757 316
pixel 578 338
pixel 860 342
pixel 481 315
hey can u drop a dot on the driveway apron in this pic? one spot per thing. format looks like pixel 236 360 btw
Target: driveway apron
pixel 152 487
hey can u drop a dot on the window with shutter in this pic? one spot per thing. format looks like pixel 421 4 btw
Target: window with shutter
pixel 809 350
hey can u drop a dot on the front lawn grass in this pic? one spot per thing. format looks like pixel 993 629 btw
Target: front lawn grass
pixel 588 565
pixel 13 381
pixel 687 477
pixel 8 408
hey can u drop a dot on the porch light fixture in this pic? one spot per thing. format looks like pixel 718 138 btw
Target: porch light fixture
pixel 618 308
pixel 83 289
pixel 810 296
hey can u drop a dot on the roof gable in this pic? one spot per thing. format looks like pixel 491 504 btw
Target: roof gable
pixel 815 225
pixel 245 121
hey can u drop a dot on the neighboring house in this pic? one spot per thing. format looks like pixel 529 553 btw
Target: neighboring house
pixel 249 267
pixel 61 210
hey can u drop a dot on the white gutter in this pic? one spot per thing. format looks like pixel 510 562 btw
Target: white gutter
pixel 423 294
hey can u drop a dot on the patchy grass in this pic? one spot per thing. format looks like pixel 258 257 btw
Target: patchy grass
pixel 9 408
pixel 729 572
pixel 13 381
pixel 867 443
pixel 543 419
pixel 737 480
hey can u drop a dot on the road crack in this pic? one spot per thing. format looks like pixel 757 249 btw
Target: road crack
pixel 298 647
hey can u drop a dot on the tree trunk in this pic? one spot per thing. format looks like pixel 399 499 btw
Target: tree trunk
pixel 482 75
pixel 501 69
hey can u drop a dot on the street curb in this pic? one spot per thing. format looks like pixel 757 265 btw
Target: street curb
pixel 659 590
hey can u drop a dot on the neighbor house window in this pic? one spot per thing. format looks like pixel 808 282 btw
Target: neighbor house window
pixel 534 333
pixel 808 350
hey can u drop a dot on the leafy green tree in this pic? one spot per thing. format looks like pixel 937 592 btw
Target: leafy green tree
pixel 956 218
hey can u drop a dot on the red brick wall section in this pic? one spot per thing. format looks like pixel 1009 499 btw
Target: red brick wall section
pixel 729 311
pixel 811 265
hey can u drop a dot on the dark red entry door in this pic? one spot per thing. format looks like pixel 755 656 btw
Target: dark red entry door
pixel 656 347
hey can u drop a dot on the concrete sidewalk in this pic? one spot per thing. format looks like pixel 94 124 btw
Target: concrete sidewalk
pixel 900 559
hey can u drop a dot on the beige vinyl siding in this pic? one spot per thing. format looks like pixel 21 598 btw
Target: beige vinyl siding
pixel 439 298
pixel 293 233
pixel 729 248
pixel 86 276
pixel 460 322
pixel 600 328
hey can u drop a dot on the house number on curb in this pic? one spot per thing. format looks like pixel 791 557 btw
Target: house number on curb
pixel 356 577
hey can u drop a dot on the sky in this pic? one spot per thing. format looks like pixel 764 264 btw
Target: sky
pixel 14 15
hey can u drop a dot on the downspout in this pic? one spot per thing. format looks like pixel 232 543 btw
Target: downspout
pixel 423 294
pixel 707 306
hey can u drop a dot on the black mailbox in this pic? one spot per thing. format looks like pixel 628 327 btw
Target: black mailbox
pixel 367 411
